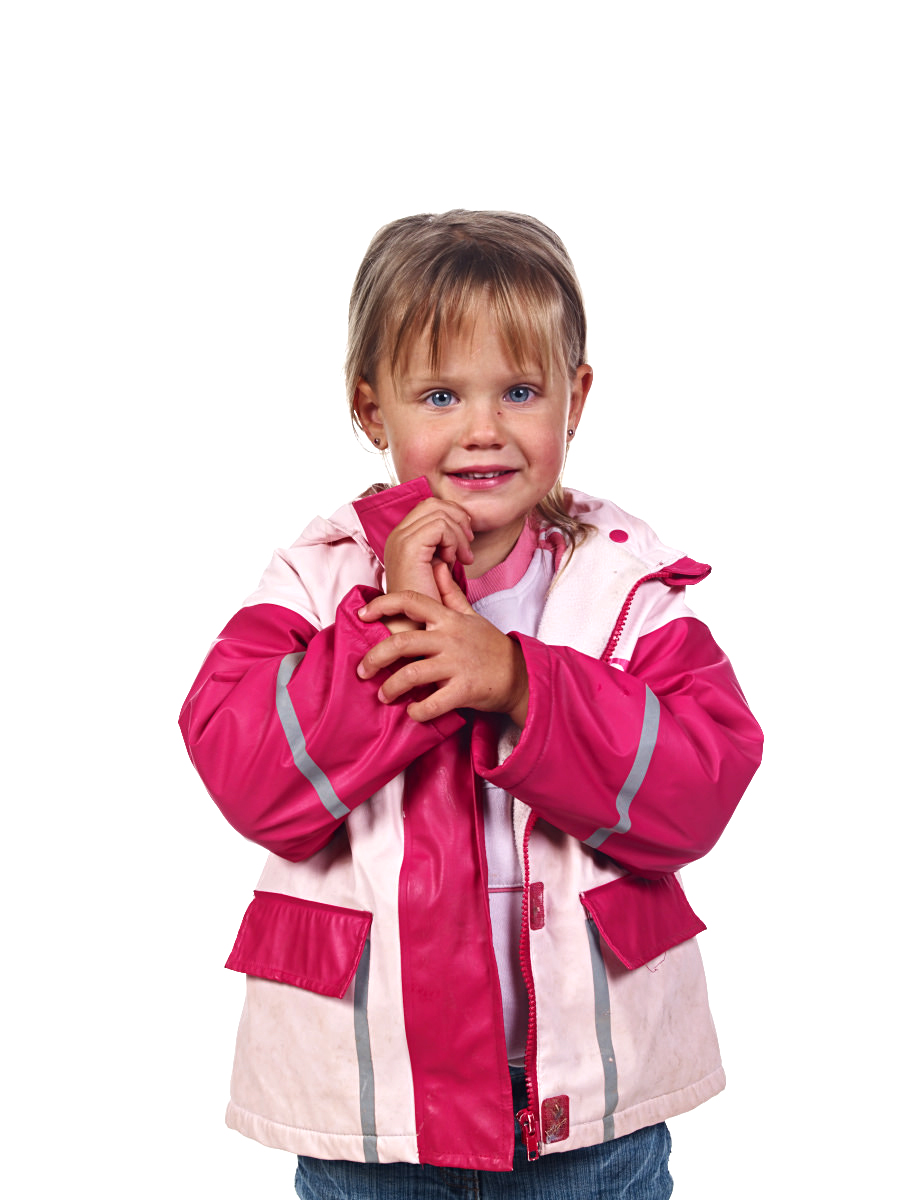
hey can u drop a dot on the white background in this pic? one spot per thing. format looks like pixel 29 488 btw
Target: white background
pixel 189 189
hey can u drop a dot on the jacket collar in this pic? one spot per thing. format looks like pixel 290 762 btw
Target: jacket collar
pixel 382 511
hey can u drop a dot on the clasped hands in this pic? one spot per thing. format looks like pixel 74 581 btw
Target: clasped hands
pixel 436 635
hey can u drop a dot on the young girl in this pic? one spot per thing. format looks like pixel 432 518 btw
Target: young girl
pixel 479 730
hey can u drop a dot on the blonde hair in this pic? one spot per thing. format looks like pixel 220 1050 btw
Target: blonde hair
pixel 425 275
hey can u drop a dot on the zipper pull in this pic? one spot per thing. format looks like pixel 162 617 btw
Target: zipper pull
pixel 528 1125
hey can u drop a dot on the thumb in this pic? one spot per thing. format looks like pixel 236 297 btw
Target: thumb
pixel 452 596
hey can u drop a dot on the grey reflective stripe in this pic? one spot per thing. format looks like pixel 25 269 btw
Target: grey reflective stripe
pixel 313 774
pixel 646 745
pixel 604 1032
pixel 364 1056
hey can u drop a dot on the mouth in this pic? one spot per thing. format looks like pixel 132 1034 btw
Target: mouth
pixel 483 480
pixel 491 473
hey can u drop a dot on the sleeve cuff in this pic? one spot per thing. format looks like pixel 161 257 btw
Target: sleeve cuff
pixel 369 633
pixel 527 752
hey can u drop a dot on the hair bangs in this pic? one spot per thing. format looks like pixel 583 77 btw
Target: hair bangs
pixel 447 300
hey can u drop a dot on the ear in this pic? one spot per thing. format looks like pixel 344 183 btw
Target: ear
pixel 368 413
pixel 578 392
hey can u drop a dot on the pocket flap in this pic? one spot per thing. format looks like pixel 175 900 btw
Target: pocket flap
pixel 301 942
pixel 640 918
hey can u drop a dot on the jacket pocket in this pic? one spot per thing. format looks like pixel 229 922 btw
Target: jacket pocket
pixel 301 942
pixel 639 919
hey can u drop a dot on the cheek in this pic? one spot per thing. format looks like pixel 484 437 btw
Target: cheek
pixel 414 453
pixel 552 455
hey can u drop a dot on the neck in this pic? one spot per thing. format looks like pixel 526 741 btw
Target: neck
pixel 490 548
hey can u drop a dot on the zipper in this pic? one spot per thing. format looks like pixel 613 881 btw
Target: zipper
pixel 527 1117
pixel 623 614
pixel 669 576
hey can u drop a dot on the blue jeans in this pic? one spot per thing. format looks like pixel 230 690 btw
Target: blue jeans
pixel 634 1167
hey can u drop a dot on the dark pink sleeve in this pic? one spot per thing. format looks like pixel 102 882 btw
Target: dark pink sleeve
pixel 285 735
pixel 645 765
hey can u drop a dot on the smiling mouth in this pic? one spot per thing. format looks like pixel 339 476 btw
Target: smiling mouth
pixel 479 474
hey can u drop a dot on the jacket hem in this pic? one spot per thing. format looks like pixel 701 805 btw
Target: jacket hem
pixel 648 1112
pixel 403 1147
pixel 398 1147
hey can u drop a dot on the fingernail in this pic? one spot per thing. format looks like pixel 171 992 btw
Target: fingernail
pixel 361 612
pixel 361 671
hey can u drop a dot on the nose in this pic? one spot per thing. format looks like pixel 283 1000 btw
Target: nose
pixel 484 426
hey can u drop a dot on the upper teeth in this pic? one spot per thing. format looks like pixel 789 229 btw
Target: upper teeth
pixel 481 474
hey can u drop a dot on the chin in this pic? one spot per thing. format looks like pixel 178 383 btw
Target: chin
pixel 497 524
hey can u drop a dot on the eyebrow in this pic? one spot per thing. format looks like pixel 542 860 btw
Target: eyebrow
pixel 417 382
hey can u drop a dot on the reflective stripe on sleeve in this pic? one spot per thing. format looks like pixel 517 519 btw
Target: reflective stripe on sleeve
pixel 312 773
pixel 649 731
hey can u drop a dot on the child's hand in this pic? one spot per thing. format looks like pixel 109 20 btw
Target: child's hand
pixel 471 661
pixel 434 530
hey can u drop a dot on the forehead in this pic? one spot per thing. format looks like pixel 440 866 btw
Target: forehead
pixel 482 328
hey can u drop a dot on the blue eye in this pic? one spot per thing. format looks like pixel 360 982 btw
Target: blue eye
pixel 520 394
pixel 440 399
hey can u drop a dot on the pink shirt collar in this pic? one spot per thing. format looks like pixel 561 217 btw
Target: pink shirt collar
pixel 506 574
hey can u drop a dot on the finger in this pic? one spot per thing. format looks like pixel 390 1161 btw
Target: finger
pixel 452 595
pixel 455 511
pixel 411 675
pixel 434 536
pixel 449 538
pixel 436 705
pixel 454 545
pixel 458 521
pixel 441 510
pixel 412 604
pixel 408 643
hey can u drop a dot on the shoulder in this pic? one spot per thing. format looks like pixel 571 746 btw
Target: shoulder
pixel 616 528
pixel 342 525
pixel 329 557
pixel 620 581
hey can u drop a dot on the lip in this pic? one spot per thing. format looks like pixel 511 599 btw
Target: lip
pixel 464 479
